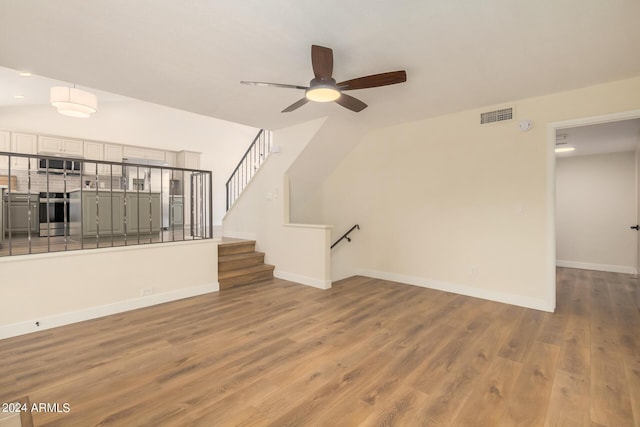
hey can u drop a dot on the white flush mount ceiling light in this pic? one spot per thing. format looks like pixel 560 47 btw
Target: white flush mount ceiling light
pixel 73 102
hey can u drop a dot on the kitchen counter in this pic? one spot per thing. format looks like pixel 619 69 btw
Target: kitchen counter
pixel 106 190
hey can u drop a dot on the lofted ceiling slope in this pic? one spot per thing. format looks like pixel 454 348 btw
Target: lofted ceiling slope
pixel 192 55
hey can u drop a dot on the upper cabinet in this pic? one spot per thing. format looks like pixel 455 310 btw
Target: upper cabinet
pixel 100 151
pixel 5 145
pixel 24 143
pixel 93 150
pixel 71 147
pixel 113 153
pixel 188 160
pixel 170 158
pixel 142 153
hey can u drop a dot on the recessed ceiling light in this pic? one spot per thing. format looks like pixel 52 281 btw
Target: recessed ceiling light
pixel 18 96
pixel 564 149
pixel 25 74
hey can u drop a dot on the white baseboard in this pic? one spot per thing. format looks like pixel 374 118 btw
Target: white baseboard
pixel 598 267
pixel 519 300
pixel 29 326
pixel 309 281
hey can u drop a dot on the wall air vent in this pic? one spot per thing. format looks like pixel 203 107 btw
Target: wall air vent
pixel 496 116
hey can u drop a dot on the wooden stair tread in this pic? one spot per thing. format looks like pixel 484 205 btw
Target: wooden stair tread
pixel 242 246
pixel 237 243
pixel 245 271
pixel 243 255
pixel 240 264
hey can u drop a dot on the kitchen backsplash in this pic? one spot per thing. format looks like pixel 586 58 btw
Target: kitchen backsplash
pixel 56 182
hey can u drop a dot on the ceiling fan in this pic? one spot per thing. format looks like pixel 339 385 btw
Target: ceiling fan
pixel 323 87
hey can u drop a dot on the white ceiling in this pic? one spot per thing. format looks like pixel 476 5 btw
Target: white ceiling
pixel 611 137
pixel 192 55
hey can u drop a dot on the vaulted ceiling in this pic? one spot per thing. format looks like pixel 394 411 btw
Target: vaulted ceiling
pixel 192 55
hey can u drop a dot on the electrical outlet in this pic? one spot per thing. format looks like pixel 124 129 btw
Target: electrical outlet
pixel 146 291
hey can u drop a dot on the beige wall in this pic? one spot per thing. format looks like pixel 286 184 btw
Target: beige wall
pixel 595 205
pixel 60 288
pixel 299 252
pixel 451 204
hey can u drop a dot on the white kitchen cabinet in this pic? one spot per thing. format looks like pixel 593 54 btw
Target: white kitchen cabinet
pixel 71 147
pixel 113 153
pixel 24 143
pixel 142 153
pixel 5 145
pixel 170 158
pixel 188 160
pixel 100 151
pixel 93 150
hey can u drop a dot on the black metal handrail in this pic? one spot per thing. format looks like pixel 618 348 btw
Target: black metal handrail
pixel 346 235
pixel 247 166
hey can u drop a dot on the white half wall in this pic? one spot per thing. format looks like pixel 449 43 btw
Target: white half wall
pixel 56 289
pixel 300 252
pixel 595 205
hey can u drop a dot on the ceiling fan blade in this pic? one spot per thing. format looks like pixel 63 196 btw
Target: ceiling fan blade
pixel 295 105
pixel 375 80
pixel 273 85
pixel 351 103
pixel 322 61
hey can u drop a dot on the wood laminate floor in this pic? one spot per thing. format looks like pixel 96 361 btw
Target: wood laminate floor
pixel 366 352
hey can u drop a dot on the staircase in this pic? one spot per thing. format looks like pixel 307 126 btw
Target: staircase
pixel 239 264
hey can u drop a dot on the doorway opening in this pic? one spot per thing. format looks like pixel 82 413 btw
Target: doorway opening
pixel 593 194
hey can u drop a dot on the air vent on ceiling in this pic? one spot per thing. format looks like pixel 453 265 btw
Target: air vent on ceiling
pixel 496 116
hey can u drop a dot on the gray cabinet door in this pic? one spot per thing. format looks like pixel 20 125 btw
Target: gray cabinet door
pixel 142 213
pixel 176 214
pixel 104 217
pixel 20 219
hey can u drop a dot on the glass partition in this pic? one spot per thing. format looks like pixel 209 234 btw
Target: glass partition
pixel 53 204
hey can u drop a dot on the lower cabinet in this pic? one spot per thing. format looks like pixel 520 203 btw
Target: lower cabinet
pixel 107 213
pixel 23 214
pixel 142 212
pixel 103 217
pixel 176 212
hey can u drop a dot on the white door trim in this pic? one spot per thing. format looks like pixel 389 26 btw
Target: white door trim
pixel 551 185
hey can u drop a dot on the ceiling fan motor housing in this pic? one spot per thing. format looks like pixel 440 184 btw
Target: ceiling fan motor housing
pixel 322 90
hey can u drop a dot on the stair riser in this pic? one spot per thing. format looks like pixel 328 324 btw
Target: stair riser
pixel 240 263
pixel 236 249
pixel 245 279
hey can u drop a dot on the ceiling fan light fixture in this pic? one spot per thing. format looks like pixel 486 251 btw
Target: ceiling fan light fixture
pixel 322 93
pixel 565 149
pixel 73 102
